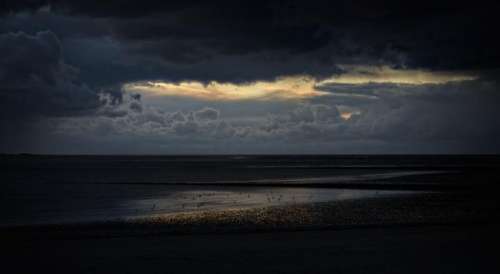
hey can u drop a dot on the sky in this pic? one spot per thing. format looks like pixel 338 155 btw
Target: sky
pixel 249 77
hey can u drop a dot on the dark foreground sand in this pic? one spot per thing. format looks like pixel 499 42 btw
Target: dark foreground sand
pixel 427 233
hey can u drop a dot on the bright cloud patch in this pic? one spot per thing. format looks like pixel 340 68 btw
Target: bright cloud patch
pixel 293 87
pixel 358 75
pixel 282 88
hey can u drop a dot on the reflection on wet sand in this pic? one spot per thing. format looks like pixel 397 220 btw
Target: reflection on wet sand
pixel 243 198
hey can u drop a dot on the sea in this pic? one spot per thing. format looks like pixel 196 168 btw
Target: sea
pixel 55 189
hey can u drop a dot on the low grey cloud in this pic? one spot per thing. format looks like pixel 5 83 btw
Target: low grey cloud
pixel 445 118
pixel 207 114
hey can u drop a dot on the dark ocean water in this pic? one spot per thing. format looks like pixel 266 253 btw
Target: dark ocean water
pixel 54 189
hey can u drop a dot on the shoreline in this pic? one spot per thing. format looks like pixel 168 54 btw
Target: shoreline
pixel 437 208
pixel 451 232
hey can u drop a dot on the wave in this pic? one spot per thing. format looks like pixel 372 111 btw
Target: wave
pixel 382 181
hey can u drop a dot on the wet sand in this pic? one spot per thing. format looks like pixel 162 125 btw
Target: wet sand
pixel 431 233
pixel 429 249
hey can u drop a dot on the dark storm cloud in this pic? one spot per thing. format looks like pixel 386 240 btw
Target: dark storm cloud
pixel 34 80
pixel 437 34
pixel 107 51
pixel 255 40
pixel 63 26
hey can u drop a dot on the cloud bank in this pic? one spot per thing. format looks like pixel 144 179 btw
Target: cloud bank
pixel 255 77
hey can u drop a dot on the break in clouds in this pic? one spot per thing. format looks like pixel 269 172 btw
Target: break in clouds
pixel 266 77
